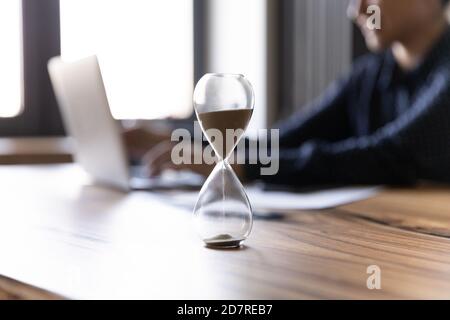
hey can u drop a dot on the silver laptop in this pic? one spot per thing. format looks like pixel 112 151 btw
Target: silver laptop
pixel 99 147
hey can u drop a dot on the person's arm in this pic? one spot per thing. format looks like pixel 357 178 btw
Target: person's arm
pixel 328 119
pixel 139 140
pixel 415 146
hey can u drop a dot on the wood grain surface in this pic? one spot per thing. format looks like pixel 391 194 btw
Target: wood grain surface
pixel 305 255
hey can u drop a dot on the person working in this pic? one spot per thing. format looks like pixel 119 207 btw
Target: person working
pixel 387 122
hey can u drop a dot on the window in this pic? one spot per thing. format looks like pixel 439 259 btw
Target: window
pixel 11 58
pixel 240 39
pixel 145 51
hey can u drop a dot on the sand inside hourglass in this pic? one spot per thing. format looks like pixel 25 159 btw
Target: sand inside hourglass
pixel 221 120
pixel 223 241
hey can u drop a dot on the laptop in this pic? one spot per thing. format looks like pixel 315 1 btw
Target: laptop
pixel 99 146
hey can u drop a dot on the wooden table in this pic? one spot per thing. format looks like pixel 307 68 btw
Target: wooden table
pixel 306 255
pixel 32 150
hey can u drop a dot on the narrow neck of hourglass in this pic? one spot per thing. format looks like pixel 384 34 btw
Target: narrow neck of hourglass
pixel 223 163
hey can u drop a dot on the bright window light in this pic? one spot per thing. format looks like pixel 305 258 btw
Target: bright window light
pixel 10 58
pixel 145 51
pixel 237 39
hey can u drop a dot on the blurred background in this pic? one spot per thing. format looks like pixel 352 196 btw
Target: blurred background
pixel 152 52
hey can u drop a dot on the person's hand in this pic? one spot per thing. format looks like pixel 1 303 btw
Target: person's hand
pixel 139 141
pixel 159 158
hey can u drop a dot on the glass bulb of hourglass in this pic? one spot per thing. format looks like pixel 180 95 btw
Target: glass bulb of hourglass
pixel 224 106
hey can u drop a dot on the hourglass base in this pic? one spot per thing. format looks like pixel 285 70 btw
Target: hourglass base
pixel 223 241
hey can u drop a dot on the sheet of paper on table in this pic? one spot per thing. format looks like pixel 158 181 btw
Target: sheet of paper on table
pixel 284 201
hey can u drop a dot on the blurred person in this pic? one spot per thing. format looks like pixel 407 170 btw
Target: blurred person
pixel 387 122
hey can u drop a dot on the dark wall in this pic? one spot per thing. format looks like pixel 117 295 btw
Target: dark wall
pixel 41 41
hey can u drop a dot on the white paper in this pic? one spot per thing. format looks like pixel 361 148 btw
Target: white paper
pixel 282 201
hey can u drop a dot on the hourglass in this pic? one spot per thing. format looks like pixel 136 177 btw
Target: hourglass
pixel 224 105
